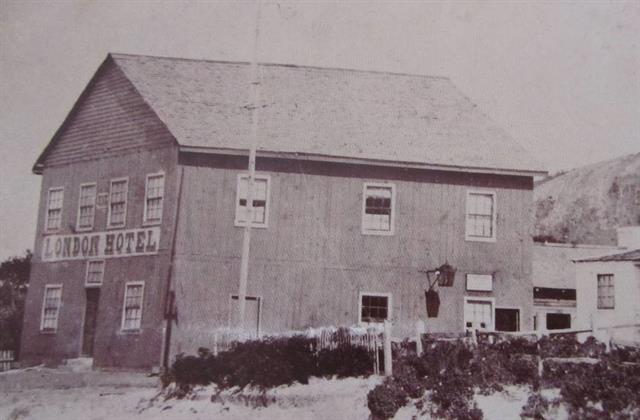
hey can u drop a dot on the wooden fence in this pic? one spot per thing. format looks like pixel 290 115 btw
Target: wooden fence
pixel 6 359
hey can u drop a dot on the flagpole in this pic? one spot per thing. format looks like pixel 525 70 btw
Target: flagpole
pixel 254 108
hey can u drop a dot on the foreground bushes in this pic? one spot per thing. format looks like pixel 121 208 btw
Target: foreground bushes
pixel 267 363
pixel 447 375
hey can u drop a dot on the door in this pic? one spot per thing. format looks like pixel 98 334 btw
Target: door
pixel 478 315
pixel 90 320
pixel 507 319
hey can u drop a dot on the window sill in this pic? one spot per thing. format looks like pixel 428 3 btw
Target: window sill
pixel 84 229
pixel 480 239
pixel 116 227
pixel 378 232
pixel 131 332
pixel 254 225
pixel 146 223
pixel 48 332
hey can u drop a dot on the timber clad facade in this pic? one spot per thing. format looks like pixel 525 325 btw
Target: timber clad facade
pixel 138 257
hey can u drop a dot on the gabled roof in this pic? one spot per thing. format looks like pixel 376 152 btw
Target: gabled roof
pixel 624 256
pixel 331 113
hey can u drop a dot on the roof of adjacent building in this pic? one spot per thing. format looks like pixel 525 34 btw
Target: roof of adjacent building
pixel 553 262
pixel 324 112
pixel 633 255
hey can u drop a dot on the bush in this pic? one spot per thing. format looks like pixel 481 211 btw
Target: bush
pixel 386 399
pixel 345 361
pixel 536 407
pixel 267 363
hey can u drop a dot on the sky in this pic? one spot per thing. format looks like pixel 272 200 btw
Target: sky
pixel 562 77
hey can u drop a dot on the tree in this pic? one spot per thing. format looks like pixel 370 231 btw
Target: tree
pixel 14 281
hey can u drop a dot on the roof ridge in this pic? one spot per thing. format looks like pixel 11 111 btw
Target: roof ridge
pixel 273 64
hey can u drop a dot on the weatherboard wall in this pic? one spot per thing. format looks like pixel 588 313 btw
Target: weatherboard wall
pixel 112 347
pixel 309 265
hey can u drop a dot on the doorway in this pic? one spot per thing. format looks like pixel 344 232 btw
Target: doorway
pixel 90 321
pixel 251 324
pixel 507 319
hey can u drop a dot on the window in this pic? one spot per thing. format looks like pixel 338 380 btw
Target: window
pixel 375 307
pixel 478 313
pixel 54 208
pixel 51 308
pixel 154 198
pixel 606 297
pixel 260 200
pixel 118 202
pixel 481 216
pixel 95 273
pixel 132 309
pixel 377 209
pixel 86 206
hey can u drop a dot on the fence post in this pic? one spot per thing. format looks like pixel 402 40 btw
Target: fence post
pixel 388 366
pixel 419 330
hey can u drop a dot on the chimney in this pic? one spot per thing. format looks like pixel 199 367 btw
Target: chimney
pixel 629 237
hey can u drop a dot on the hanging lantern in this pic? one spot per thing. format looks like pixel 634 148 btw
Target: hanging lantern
pixel 433 303
pixel 446 275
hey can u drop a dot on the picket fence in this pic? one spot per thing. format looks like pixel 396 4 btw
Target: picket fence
pixel 6 359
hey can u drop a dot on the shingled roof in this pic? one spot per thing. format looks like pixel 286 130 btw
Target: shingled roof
pixel 624 256
pixel 323 112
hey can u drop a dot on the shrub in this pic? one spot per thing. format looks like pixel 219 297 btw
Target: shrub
pixel 536 407
pixel 385 399
pixel 345 361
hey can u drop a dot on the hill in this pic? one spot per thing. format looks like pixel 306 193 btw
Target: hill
pixel 586 204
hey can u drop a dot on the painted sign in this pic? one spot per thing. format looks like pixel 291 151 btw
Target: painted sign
pixel 111 244
pixel 480 282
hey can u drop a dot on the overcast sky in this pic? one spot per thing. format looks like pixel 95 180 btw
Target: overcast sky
pixel 562 77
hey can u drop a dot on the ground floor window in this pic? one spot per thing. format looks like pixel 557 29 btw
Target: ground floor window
pixel 606 296
pixel 374 307
pixel 558 321
pixel 478 314
pixel 51 307
pixel 507 319
pixel 251 321
pixel 132 308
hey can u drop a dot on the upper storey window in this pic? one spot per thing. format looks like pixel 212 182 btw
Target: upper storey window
pixel 154 198
pixel 86 206
pixel 260 200
pixel 54 209
pixel 118 202
pixel 378 211
pixel 481 216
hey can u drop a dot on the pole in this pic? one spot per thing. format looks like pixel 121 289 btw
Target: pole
pixel 246 238
pixel 388 367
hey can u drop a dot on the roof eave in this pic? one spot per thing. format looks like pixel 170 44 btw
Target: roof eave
pixel 360 161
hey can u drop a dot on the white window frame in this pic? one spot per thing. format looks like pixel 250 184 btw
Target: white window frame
pixel 126 203
pixel 613 288
pixel 93 216
pixel 86 274
pixel 389 297
pixel 124 306
pixel 267 204
pixel 46 215
pixel 145 220
pixel 494 218
pixel 391 230
pixel 44 301
pixel 491 300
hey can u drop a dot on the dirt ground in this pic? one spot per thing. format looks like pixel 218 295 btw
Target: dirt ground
pixel 42 393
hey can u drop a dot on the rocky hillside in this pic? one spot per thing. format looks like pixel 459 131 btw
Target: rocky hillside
pixel 586 204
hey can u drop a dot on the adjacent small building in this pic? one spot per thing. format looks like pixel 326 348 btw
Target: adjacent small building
pixel 608 289
pixel 365 180
pixel 554 282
